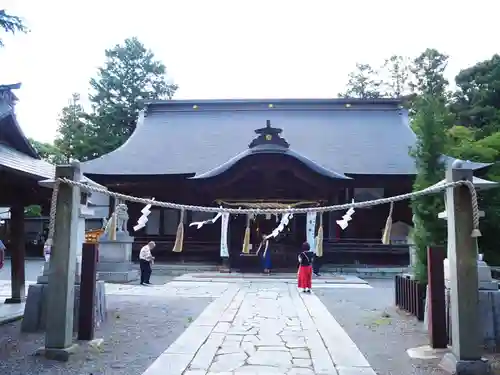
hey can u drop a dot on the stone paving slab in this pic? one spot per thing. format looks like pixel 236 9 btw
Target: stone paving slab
pixel 11 312
pixel 172 289
pixel 289 278
pixel 263 329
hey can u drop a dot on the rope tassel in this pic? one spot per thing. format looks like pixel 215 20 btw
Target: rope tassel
pixel 386 236
pixel 319 238
pixel 179 236
pixel 246 239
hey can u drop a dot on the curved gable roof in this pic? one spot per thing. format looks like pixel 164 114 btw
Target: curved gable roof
pixel 270 149
pixel 181 137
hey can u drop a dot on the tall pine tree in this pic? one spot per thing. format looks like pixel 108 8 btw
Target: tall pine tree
pixel 76 135
pixel 431 119
pixel 130 76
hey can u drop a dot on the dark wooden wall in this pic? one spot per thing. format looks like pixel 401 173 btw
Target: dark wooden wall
pixel 268 181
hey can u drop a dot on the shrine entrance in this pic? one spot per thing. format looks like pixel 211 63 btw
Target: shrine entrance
pixel 269 175
pixel 283 248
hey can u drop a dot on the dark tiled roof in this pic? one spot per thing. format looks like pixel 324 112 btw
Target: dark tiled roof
pixel 36 168
pixel 20 162
pixel 183 137
pixel 18 154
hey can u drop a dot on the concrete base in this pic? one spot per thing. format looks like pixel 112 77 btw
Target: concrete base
pixel 35 311
pixel 489 316
pixel 61 355
pixel 451 365
pixel 119 277
pixel 115 260
pixel 426 352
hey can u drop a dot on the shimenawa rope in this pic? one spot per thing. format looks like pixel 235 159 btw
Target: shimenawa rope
pixel 258 211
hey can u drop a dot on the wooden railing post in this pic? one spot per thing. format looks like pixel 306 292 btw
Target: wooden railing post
pixel 86 318
pixel 436 298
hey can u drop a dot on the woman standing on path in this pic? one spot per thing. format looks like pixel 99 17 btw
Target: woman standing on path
pixel 305 268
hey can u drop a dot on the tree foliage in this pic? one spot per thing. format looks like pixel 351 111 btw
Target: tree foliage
pixel 428 71
pixel 364 83
pixel 48 152
pixel 130 76
pixel 11 24
pixel 429 122
pixel 397 76
pixel 75 132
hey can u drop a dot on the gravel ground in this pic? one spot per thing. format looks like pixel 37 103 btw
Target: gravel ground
pixel 138 330
pixel 380 331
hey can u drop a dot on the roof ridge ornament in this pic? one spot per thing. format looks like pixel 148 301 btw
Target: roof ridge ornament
pixel 269 136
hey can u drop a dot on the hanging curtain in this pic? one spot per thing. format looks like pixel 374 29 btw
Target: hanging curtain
pixel 386 237
pixel 179 236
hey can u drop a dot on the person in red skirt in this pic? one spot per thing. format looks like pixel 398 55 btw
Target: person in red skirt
pixel 305 268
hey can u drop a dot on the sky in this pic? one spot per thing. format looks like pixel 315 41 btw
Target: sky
pixel 220 49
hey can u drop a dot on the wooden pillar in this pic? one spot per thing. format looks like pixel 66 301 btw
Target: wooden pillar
pixel 61 293
pixel 465 357
pixel 436 298
pixel 17 249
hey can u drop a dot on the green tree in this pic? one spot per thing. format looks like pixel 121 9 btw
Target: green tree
pixel 130 76
pixel 363 83
pixel 430 123
pixel 428 69
pixel 476 105
pixel 48 152
pixel 477 100
pixel 76 135
pixel 397 76
pixel 11 24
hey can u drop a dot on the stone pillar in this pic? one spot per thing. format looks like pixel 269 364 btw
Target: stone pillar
pixel 17 249
pixel 60 293
pixel 465 357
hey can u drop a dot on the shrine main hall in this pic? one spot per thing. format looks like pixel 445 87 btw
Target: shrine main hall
pixel 286 152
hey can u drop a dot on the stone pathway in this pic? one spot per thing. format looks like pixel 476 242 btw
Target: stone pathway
pixel 181 289
pixel 10 312
pixel 264 329
pixel 171 289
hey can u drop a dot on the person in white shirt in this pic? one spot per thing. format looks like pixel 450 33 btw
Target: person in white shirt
pixel 145 260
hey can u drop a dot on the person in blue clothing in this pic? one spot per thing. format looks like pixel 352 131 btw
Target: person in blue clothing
pixel 265 252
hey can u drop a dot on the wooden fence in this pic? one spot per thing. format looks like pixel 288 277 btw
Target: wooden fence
pixel 410 296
